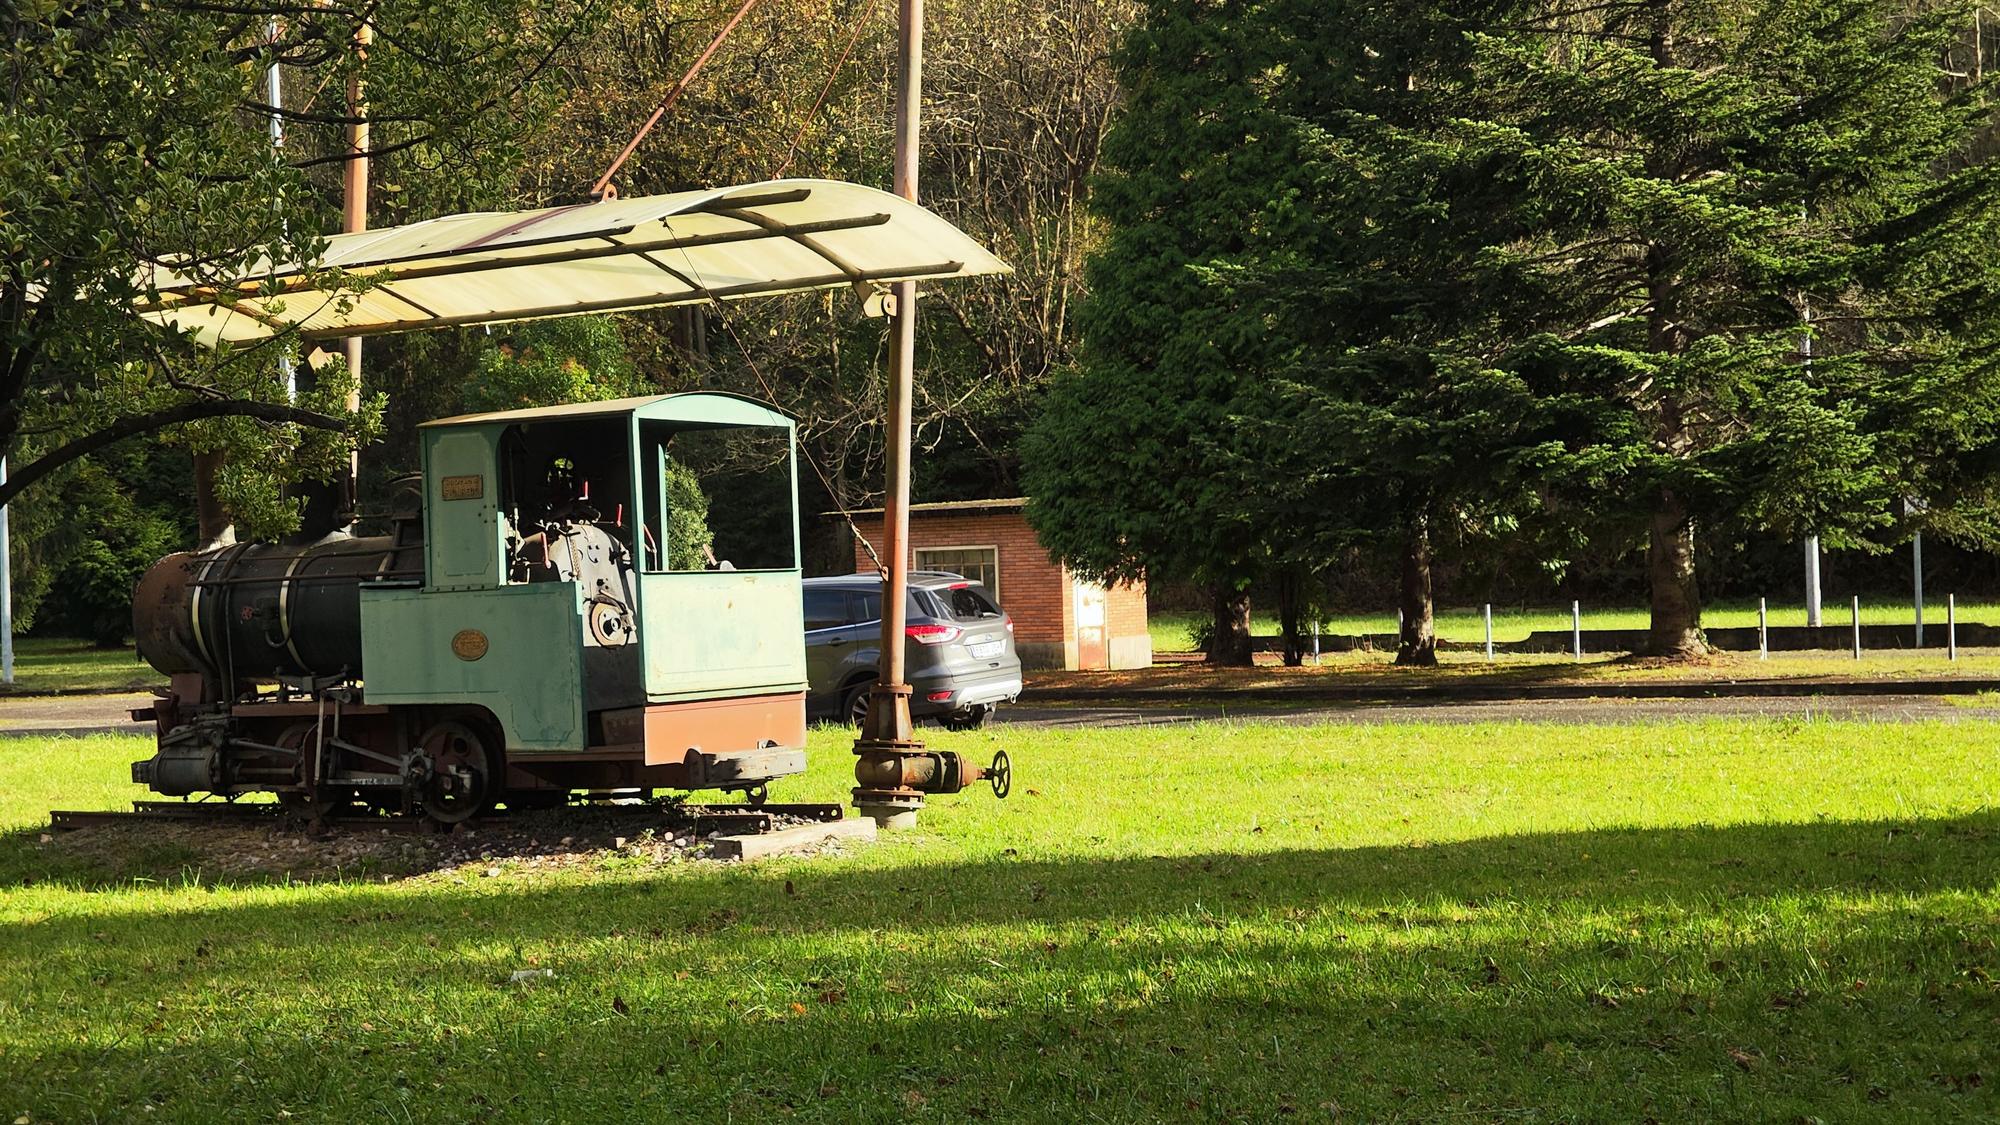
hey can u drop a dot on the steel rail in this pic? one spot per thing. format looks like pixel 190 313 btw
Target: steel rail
pixel 702 819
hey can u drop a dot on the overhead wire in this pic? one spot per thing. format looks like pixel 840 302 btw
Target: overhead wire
pixel 604 182
pixel 603 185
pixel 805 122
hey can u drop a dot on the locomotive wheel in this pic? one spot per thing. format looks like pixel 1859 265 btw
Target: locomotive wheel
pixel 312 804
pixel 464 773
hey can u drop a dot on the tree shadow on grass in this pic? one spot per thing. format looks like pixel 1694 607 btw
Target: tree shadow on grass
pixel 1601 865
pixel 1768 971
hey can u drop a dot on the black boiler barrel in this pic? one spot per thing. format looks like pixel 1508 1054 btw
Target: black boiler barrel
pixel 252 611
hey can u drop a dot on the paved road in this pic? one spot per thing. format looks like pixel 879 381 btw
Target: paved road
pixel 1879 708
pixel 79 715
pixel 75 715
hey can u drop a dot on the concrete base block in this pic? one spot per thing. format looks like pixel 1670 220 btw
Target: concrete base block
pixel 889 817
pixel 804 836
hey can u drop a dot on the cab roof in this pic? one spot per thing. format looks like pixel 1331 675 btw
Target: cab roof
pixel 715 408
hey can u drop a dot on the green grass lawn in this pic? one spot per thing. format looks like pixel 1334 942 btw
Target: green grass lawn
pixel 55 664
pixel 1771 921
pixel 1173 631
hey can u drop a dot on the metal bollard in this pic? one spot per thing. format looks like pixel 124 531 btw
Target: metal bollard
pixel 1857 626
pixel 1951 626
pixel 1576 628
pixel 1489 632
pixel 1763 631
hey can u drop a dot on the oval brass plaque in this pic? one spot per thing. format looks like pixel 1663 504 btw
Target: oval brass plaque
pixel 469 644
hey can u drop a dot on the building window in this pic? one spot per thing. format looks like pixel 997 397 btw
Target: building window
pixel 980 564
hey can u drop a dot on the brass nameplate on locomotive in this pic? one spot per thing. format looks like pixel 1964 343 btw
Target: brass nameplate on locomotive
pixel 469 644
pixel 464 488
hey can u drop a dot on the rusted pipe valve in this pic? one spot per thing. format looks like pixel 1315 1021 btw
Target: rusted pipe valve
pixel 892 781
pixel 926 771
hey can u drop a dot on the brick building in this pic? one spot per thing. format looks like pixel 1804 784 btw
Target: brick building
pixel 1059 620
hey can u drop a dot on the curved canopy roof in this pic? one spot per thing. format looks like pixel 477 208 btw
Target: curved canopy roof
pixel 705 407
pixel 779 236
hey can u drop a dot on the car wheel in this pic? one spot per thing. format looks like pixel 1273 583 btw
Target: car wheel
pixel 970 719
pixel 854 705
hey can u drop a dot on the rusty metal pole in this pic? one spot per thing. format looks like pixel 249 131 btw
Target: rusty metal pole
pixel 354 219
pixel 887 736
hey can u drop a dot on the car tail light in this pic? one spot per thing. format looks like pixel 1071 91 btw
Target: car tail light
pixel 1008 622
pixel 939 697
pixel 932 634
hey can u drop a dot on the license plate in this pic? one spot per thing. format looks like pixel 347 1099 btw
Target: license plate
pixel 986 649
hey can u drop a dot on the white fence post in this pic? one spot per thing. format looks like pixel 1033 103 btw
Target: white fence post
pixel 1917 580
pixel 1763 632
pixel 1951 626
pixel 1489 632
pixel 1857 626
pixel 1576 628
pixel 1316 628
pixel 1812 582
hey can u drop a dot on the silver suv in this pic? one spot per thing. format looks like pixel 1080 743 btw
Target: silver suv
pixel 959 652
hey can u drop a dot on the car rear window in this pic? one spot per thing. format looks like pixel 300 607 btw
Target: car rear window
pixel 967 603
pixel 859 607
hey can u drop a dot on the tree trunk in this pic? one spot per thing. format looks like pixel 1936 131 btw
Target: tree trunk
pixel 1676 609
pixel 1291 610
pixel 1229 644
pixel 1417 642
pixel 212 526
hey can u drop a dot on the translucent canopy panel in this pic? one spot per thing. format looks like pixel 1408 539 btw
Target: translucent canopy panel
pixel 781 236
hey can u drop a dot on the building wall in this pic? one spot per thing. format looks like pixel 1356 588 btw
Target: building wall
pixel 1035 591
pixel 1125 620
pixel 1031 587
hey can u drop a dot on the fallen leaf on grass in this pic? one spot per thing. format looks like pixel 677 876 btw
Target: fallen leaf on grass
pixel 1748 1060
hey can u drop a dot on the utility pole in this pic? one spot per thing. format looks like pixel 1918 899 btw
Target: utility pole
pixel 212 524
pixel 1812 541
pixel 354 219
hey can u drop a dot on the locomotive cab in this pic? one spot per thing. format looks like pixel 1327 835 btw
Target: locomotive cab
pixel 559 597
pixel 609 598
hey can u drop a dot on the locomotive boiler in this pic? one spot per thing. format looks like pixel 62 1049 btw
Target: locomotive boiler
pixel 529 626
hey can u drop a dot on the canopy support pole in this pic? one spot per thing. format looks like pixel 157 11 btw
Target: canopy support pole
pixel 888 747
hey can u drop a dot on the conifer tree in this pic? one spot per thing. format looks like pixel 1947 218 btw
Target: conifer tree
pixel 1393 422
pixel 1128 463
pixel 1754 232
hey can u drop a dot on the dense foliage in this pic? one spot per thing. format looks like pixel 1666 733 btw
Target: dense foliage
pixel 1545 272
pixel 137 136
pixel 1136 465
pixel 1454 286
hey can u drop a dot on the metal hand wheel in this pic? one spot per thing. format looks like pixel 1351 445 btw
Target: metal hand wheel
pixel 1001 774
